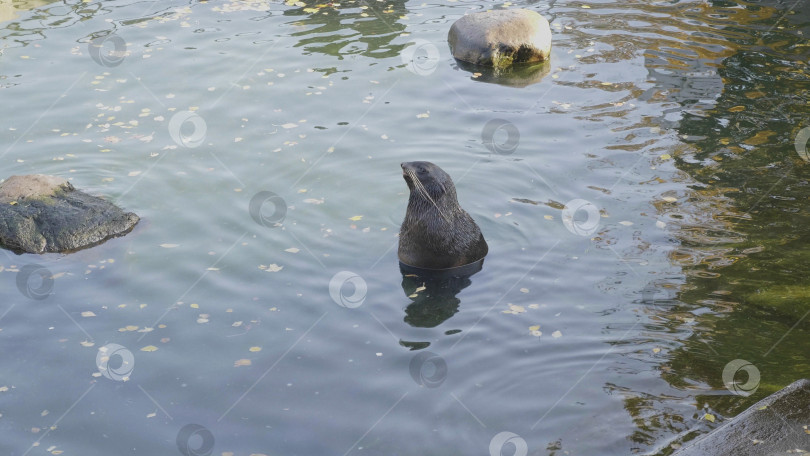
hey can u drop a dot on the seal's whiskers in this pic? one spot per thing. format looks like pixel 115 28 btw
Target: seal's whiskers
pixel 421 188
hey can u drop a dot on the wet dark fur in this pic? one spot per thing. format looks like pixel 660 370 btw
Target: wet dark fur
pixel 436 233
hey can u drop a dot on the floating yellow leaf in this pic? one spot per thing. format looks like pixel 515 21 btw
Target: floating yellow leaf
pixel 194 305
pixel 517 309
pixel 292 250
pixel 759 138
pixel 274 268
pixel 255 349
pixel 242 362
pixel 151 415
pixel 149 348
pixel 666 157
pixel 88 313
pixel 709 417
pixel 87 343
pixel 356 218
pixel 737 109
pixel 169 246
pixel 311 10
pixel 534 328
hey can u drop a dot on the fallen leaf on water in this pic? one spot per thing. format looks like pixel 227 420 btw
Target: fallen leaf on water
pixel 87 343
pixel 255 349
pixel 133 173
pixel 709 417
pixel 424 115
pixel 666 157
pixel 356 218
pixel 669 199
pixel 242 362
pixel 88 313
pixel 194 305
pixel 151 415
pixel 556 334
pixel 289 125
pixel 292 250
pixel 513 309
pixel 534 328
pixel 149 348
pixel 274 268
pixel 737 108
pixel 169 246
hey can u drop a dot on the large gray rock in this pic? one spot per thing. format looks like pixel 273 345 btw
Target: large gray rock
pixel 500 38
pixel 773 426
pixel 46 214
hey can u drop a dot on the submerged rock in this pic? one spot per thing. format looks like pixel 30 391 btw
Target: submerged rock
pixel 776 425
pixel 46 214
pixel 501 38
pixel 513 76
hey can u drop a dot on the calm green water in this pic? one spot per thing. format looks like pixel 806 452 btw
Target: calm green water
pixel 675 123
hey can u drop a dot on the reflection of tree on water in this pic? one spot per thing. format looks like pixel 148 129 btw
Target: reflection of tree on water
pixel 737 96
pixel 365 28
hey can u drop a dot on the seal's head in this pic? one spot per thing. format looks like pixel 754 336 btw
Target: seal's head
pixel 429 181
pixel 436 233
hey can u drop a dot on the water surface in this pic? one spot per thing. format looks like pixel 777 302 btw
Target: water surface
pixel 675 122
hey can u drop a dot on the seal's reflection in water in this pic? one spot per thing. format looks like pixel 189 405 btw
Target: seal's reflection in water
pixel 437 301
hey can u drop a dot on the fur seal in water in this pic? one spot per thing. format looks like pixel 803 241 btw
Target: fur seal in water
pixel 436 233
